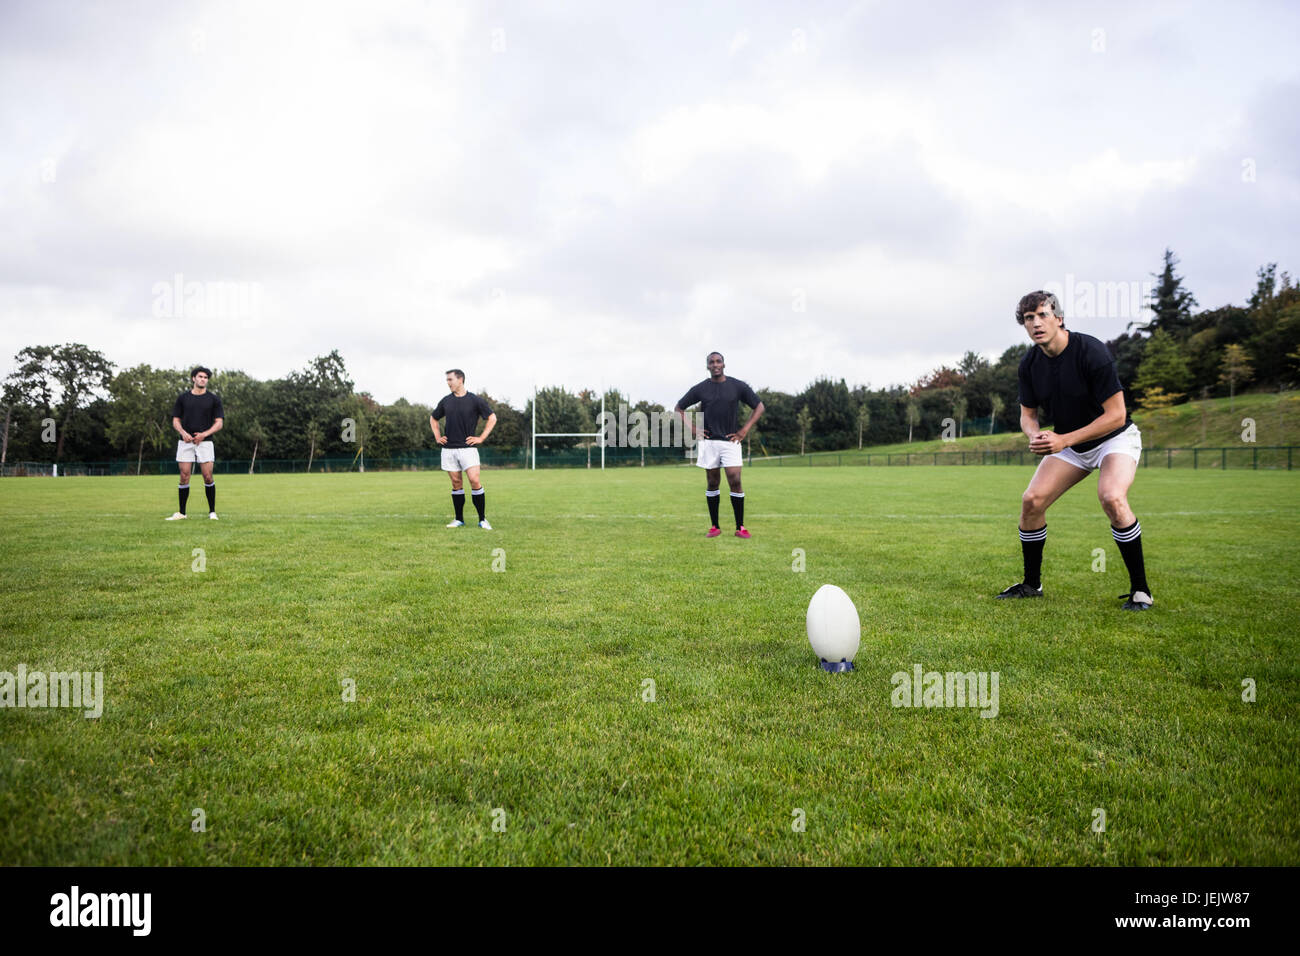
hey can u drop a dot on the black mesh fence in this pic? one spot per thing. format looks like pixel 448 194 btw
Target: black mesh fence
pixel 1237 458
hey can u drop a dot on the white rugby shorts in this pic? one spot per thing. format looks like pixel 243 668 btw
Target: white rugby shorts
pixel 1128 442
pixel 712 453
pixel 202 452
pixel 459 459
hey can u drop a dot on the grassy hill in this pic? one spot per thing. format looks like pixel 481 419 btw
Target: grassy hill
pixel 1205 424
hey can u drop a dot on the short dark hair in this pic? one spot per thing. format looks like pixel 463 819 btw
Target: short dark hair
pixel 200 368
pixel 718 354
pixel 457 372
pixel 1030 302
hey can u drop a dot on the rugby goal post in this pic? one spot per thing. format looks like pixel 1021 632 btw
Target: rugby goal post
pixel 597 434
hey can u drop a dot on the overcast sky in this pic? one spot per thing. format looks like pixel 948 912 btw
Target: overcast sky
pixel 597 194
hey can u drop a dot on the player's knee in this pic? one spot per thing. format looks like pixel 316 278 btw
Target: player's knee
pixel 1112 499
pixel 1033 501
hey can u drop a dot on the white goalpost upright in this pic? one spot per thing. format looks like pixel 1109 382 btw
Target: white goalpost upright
pixel 598 434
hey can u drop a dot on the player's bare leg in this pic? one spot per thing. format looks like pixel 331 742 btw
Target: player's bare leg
pixel 713 477
pixel 1116 477
pixel 737 499
pixel 1052 479
pixel 183 488
pixel 457 499
pixel 209 487
pixel 479 496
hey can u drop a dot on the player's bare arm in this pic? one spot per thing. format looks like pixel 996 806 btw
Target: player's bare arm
pixel 438 436
pixel 754 416
pixel 204 436
pixel 690 427
pixel 1029 422
pixel 1112 417
pixel 487 430
pixel 180 429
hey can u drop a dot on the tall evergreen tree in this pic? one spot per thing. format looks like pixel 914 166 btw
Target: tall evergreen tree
pixel 1266 282
pixel 1171 303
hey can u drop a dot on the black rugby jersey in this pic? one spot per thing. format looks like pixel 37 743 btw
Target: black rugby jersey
pixel 718 402
pixel 1071 387
pixel 463 413
pixel 197 413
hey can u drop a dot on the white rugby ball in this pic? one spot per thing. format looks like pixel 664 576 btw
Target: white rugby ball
pixel 833 627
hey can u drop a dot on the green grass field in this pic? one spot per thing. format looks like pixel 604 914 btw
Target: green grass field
pixel 521 691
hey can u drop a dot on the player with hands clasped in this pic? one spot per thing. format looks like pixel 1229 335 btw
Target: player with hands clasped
pixel 1072 376
pixel 197 416
pixel 720 438
pixel 462 410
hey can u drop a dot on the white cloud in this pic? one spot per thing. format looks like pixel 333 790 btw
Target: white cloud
pixel 600 194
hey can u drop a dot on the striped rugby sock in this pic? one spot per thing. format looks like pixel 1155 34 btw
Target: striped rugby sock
pixel 1129 541
pixel 1031 546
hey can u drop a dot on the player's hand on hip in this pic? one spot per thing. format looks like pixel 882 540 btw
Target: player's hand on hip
pixel 473 440
pixel 442 439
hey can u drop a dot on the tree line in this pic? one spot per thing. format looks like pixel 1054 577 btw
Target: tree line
pixel 71 403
